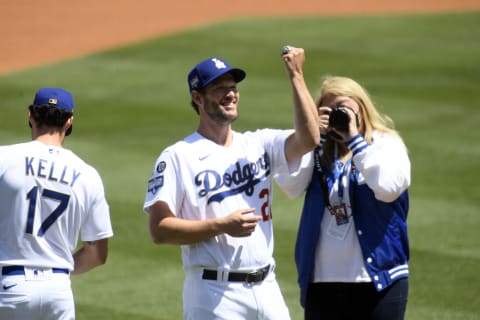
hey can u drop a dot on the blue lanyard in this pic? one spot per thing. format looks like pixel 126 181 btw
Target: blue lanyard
pixel 325 185
pixel 340 176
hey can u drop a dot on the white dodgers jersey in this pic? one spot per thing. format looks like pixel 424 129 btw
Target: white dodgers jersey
pixel 200 179
pixel 49 198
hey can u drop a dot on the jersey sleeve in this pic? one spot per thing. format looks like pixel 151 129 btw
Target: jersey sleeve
pixel 97 224
pixel 163 184
pixel 274 143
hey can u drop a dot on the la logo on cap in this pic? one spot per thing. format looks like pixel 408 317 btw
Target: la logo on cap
pixel 219 64
pixel 52 101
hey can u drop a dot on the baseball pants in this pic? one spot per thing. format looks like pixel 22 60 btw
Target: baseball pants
pixel 220 299
pixel 36 295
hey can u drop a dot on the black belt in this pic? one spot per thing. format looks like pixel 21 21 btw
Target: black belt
pixel 248 277
pixel 20 270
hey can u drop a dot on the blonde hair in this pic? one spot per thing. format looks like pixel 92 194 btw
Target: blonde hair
pixel 373 120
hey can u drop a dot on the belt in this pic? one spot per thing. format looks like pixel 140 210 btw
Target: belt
pixel 248 277
pixel 20 270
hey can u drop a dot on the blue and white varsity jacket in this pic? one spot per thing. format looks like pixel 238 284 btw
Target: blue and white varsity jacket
pixel 378 188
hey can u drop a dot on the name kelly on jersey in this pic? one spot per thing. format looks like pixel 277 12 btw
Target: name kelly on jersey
pixel 47 169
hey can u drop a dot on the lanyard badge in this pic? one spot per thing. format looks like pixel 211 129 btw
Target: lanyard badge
pixel 340 228
pixel 341 214
pixel 340 211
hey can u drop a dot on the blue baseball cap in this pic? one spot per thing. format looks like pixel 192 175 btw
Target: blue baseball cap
pixel 210 69
pixel 54 97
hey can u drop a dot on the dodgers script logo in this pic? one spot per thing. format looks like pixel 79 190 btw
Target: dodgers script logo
pixel 240 179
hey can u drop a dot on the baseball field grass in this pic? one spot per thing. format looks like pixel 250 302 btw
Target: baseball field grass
pixel 422 70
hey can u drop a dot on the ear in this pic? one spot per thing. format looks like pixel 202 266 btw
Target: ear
pixel 68 126
pixel 30 119
pixel 197 97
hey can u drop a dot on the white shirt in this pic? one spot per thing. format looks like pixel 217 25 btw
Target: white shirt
pixel 200 179
pixel 49 198
pixel 338 256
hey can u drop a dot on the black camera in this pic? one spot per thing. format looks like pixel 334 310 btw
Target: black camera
pixel 339 118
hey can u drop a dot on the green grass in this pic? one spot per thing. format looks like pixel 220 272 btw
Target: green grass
pixel 422 70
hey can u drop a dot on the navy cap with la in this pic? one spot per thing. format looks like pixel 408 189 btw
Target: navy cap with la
pixel 210 69
pixel 54 97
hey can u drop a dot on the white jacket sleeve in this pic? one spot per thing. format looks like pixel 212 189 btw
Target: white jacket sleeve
pixel 384 165
pixel 296 182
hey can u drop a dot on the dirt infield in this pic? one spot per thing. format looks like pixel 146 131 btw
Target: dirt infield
pixel 36 32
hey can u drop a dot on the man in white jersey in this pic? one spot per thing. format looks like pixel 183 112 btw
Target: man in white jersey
pixel 49 198
pixel 211 193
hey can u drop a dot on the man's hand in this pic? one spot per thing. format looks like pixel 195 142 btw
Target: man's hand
pixel 240 223
pixel 294 60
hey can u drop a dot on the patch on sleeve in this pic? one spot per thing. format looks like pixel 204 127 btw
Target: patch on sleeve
pixel 154 184
pixel 161 166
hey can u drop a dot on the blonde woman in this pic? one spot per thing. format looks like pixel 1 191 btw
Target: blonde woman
pixel 352 246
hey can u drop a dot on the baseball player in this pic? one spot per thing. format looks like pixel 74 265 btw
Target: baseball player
pixel 49 198
pixel 212 192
